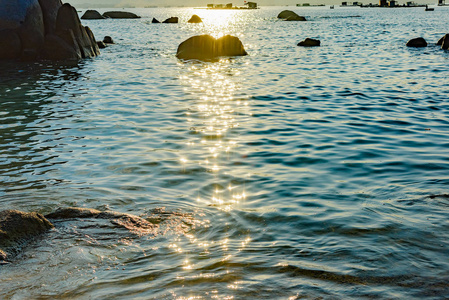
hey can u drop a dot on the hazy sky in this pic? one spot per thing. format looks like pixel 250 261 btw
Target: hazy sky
pixel 202 3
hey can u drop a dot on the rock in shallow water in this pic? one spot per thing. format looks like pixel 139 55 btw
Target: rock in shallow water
pixel 289 15
pixel 309 43
pixel 195 19
pixel 120 15
pixel 206 47
pixel 92 15
pixel 17 227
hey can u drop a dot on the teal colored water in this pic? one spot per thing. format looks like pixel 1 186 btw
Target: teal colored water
pixel 290 173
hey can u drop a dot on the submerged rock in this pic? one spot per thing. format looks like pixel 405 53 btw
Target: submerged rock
pixel 289 15
pixel 309 43
pixel 133 223
pixel 44 29
pixel 120 15
pixel 17 227
pixel 205 47
pixel 171 20
pixel 195 19
pixel 417 43
pixel 92 15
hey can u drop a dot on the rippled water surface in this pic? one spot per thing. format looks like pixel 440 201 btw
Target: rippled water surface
pixel 290 173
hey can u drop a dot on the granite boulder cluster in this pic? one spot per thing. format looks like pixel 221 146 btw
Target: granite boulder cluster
pixel 43 29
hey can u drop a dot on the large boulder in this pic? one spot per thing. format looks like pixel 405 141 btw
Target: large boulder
pixel 171 20
pixel 17 227
pixel 120 15
pixel 289 15
pixel 91 14
pixel 205 47
pixel 417 43
pixel 43 29
pixel 195 19
pixel 310 43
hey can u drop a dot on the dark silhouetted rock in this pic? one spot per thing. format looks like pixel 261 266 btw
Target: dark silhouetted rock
pixel 17 227
pixel 92 15
pixel 417 43
pixel 101 44
pixel 68 21
pixel 120 15
pixel 195 19
pixel 444 42
pixel 171 20
pixel 155 21
pixel 43 29
pixel 50 10
pixel 309 43
pixel 108 40
pixel 10 44
pixel 205 47
pixel 289 15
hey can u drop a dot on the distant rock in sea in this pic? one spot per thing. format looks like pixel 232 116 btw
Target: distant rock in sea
pixel 309 43
pixel 108 40
pixel 32 30
pixel 92 15
pixel 101 44
pixel 289 15
pixel 171 20
pixel 205 47
pixel 155 21
pixel 417 43
pixel 195 19
pixel 120 15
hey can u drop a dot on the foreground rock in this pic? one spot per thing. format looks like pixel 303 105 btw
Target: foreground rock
pixel 171 20
pixel 289 15
pixel 45 29
pixel 195 19
pixel 92 15
pixel 417 43
pixel 17 227
pixel 120 15
pixel 310 43
pixel 205 47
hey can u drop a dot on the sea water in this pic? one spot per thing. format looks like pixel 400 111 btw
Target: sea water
pixel 290 173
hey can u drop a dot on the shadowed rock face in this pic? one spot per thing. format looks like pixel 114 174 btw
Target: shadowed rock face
pixel 120 15
pixel 195 19
pixel 205 47
pixel 171 20
pixel 417 43
pixel 44 29
pixel 17 227
pixel 289 15
pixel 444 42
pixel 92 15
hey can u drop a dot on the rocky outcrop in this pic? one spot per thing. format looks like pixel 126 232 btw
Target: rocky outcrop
pixel 92 15
pixel 310 43
pixel 289 15
pixel 171 20
pixel 205 47
pixel 155 21
pixel 195 19
pixel 44 29
pixel 101 44
pixel 120 15
pixel 417 43
pixel 17 227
